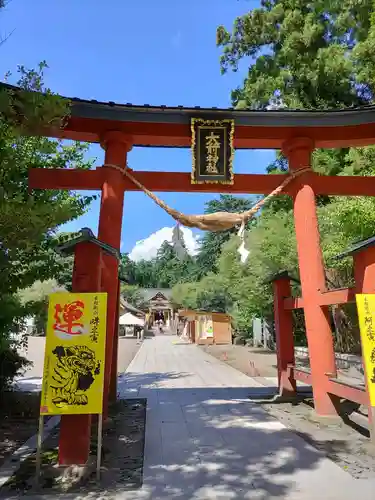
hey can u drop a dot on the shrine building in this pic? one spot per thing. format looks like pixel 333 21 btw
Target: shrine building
pixel 158 301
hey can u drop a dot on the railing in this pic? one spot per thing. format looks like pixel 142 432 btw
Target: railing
pixel 328 298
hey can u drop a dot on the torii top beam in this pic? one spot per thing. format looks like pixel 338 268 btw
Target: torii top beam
pixel 162 126
pixel 170 126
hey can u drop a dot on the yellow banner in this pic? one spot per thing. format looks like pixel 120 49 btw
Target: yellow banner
pixel 73 376
pixel 366 316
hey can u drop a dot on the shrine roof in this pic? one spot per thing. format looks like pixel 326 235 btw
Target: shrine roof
pixel 357 247
pixel 181 115
pixel 150 293
pixel 86 235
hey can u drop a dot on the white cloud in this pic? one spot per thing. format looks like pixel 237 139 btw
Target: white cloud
pixel 147 249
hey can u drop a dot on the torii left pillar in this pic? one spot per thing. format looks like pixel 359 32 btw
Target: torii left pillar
pixel 75 430
pixel 116 146
pixel 89 252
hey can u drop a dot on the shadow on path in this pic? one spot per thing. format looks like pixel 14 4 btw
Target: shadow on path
pixel 204 443
pixel 212 443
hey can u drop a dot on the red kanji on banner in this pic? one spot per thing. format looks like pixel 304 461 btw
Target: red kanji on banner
pixel 67 316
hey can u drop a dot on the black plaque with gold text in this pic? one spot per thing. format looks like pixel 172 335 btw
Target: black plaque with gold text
pixel 212 150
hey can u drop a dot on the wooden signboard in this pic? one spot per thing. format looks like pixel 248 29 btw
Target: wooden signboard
pixel 212 151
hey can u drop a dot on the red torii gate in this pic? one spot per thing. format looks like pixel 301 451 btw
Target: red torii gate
pixel 120 127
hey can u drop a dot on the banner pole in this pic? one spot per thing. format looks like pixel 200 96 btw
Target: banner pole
pixel 99 448
pixel 38 457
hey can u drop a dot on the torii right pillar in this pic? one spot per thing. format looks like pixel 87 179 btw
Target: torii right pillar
pixel 312 276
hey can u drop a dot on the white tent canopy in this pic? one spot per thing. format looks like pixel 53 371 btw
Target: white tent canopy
pixel 129 319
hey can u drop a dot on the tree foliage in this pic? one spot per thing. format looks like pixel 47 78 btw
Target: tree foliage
pixel 29 221
pixel 301 54
pixel 212 243
pixel 166 270
pixel 132 294
pixel 34 299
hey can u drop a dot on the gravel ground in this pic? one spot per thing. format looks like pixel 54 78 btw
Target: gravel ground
pixel 19 411
pixel 350 448
pixel 254 362
pixel 346 442
pixel 122 459
pixel 19 414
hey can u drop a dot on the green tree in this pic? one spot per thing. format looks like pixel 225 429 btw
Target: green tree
pixel 364 57
pixel 209 294
pixel 172 268
pixel 29 221
pixel 132 294
pixel 185 294
pixel 144 275
pixel 301 54
pixel 212 243
pixel 172 265
pixel 35 301
pixel 127 269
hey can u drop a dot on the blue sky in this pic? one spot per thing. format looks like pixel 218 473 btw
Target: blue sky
pixel 140 51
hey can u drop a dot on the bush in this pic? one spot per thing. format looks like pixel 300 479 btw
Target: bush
pixel 11 365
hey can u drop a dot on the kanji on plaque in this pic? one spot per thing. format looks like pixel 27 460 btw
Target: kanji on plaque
pixel 366 316
pixel 73 377
pixel 212 151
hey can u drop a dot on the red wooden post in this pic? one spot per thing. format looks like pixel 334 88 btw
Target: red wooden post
pixel 318 329
pixel 116 147
pixel 284 334
pixel 75 430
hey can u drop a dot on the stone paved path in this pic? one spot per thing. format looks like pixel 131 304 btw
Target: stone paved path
pixel 206 440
